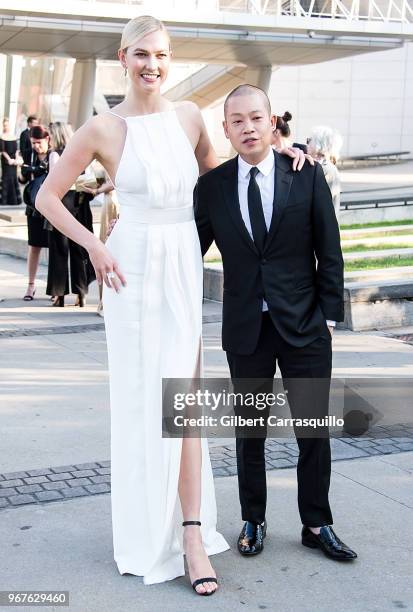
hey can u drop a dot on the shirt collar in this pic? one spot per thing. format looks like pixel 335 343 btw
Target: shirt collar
pixel 265 166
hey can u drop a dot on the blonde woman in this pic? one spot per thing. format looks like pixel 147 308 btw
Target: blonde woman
pixel 151 265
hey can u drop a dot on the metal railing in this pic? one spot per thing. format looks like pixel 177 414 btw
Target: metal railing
pixel 399 11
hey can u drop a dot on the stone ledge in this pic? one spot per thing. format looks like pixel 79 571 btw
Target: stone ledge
pixel 368 305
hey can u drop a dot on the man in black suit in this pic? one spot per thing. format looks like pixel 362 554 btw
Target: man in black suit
pixel 25 142
pixel 283 292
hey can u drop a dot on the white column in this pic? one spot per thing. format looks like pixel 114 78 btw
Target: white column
pixel 83 91
pixel 14 65
pixel 260 76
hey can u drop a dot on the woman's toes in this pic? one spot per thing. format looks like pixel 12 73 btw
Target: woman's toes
pixel 200 588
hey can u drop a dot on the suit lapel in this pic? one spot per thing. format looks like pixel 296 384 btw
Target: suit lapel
pixel 230 189
pixel 282 185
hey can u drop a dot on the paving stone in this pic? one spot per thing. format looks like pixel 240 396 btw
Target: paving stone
pixel 104 464
pixel 219 472
pixel 59 484
pixel 14 475
pixel 83 473
pixel 62 476
pixel 36 479
pixel 63 468
pixel 218 456
pixel 277 447
pixel 40 472
pixel 86 466
pixel 343 450
pixel 49 495
pixel 387 449
pixel 231 461
pixel 74 492
pixel 100 479
pixel 292 446
pixel 3 502
pixel 7 492
pixel 363 444
pixel 405 446
pixel 78 482
pixel 231 470
pixel 11 483
pixel 373 450
pixel 98 488
pixel 281 463
pixel 105 470
pixel 277 455
pixel 219 464
pixel 403 440
pixel 30 488
pixel 19 500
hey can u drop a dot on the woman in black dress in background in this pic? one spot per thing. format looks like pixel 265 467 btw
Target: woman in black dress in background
pixel 61 248
pixel 42 158
pixel 10 159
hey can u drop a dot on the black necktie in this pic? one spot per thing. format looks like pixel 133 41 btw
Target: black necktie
pixel 258 225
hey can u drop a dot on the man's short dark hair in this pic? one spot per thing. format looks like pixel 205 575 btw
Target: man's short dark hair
pixel 244 90
pixel 31 118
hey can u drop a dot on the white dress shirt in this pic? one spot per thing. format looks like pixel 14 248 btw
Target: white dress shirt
pixel 265 180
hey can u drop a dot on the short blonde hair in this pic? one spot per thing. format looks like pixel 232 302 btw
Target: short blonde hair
pixel 139 27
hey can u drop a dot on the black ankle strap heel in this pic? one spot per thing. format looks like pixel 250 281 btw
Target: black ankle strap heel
pixel 200 580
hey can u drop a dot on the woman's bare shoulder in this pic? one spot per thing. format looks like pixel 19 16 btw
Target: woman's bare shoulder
pixel 98 125
pixel 186 106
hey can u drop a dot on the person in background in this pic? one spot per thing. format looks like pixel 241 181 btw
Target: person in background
pixel 34 171
pixel 10 160
pixel 282 132
pixel 25 141
pixel 62 249
pixel 324 145
pixel 109 214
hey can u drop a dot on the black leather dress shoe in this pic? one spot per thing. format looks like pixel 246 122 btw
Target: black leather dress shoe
pixel 330 544
pixel 251 538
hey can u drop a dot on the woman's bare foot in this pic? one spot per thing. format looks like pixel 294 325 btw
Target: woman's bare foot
pixel 198 562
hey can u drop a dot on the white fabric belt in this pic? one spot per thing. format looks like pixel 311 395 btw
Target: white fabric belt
pixel 156 216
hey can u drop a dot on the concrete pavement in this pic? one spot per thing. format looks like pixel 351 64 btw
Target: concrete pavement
pixel 68 546
pixel 55 412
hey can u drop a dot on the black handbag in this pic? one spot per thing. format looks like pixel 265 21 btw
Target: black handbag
pixel 33 187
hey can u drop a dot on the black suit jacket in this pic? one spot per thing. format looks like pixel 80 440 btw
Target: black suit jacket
pixel 300 272
pixel 25 145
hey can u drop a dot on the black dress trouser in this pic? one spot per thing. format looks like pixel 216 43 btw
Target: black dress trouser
pixel 314 462
pixel 62 250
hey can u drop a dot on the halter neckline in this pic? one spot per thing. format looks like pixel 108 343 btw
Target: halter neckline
pixel 171 110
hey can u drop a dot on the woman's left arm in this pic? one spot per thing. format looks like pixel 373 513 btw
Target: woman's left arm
pixel 204 152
